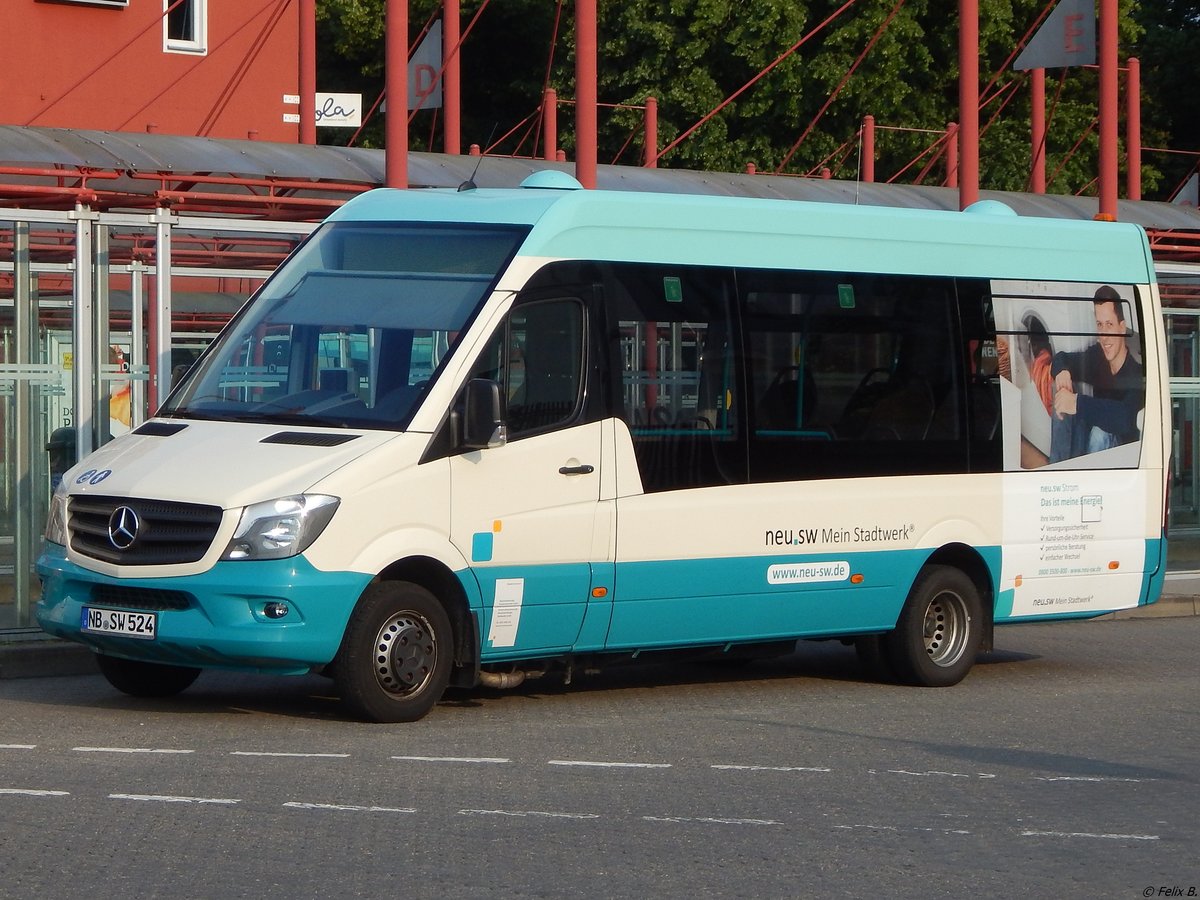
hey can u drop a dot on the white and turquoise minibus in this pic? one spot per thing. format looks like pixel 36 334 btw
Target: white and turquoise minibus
pixel 463 437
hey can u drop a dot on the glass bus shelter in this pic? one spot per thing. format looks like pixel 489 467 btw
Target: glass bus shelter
pixel 99 312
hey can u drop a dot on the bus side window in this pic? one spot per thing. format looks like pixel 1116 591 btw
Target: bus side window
pixel 985 362
pixel 538 358
pixel 677 351
pixel 545 364
pixel 852 374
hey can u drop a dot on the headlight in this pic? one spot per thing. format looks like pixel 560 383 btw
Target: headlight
pixel 280 528
pixel 56 521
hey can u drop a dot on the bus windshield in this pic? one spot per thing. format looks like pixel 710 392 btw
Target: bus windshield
pixel 351 330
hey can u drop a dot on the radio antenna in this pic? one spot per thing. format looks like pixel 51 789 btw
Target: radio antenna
pixel 469 184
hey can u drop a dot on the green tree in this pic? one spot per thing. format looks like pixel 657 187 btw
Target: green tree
pixel 692 55
pixel 503 63
pixel 1172 115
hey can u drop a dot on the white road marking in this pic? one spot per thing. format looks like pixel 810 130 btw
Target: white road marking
pixel 18 746
pixel 30 792
pixel 774 768
pixel 339 807
pixel 707 820
pixel 934 773
pixel 903 828
pixel 163 798
pixel 523 813
pixel 1093 778
pixel 1088 834
pixel 127 750
pixel 607 765
pixel 455 759
pixel 303 755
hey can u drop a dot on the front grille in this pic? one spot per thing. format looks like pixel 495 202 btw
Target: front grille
pixel 140 598
pixel 167 533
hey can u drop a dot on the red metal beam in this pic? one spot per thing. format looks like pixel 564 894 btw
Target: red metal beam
pixel 968 102
pixel 396 129
pixel 1108 110
pixel 452 79
pixel 1133 129
pixel 586 92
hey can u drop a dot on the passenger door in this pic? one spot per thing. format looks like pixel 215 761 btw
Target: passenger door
pixel 526 514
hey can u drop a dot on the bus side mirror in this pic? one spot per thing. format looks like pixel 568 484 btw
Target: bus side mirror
pixel 483 415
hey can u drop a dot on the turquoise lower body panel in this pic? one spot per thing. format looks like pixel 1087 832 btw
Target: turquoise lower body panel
pixel 1156 563
pixel 223 624
pixel 745 599
pixel 696 602
pixel 531 609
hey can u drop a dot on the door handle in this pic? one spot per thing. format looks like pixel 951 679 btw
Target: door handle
pixel 584 469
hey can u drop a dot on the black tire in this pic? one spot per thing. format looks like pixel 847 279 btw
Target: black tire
pixel 145 679
pixel 939 631
pixel 396 655
pixel 872 660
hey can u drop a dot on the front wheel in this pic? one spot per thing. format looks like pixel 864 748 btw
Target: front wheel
pixel 939 631
pixel 395 657
pixel 145 679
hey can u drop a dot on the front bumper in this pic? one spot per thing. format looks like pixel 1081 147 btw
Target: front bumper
pixel 221 622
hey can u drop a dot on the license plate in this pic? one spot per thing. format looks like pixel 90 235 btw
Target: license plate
pixel 142 625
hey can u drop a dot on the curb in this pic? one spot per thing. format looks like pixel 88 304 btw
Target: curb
pixel 1168 606
pixel 45 657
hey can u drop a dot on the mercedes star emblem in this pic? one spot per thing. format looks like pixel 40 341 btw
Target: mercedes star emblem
pixel 123 527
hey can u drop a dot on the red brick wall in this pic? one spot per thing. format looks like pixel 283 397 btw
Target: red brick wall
pixel 77 66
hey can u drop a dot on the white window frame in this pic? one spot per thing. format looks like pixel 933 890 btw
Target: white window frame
pixel 198 44
pixel 118 4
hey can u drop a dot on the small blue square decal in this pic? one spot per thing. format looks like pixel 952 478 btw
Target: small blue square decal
pixel 481 546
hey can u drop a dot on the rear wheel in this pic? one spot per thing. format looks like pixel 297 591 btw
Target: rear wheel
pixel 396 655
pixel 145 679
pixel 939 631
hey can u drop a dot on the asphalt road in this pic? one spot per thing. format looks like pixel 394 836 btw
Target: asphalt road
pixel 1066 765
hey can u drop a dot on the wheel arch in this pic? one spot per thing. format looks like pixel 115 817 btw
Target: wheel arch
pixel 439 580
pixel 971 563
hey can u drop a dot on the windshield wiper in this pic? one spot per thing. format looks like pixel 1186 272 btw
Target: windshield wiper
pixel 291 419
pixel 198 415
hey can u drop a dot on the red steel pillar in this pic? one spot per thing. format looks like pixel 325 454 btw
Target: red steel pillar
pixel 1133 129
pixel 968 102
pixel 868 149
pixel 396 85
pixel 1108 110
pixel 308 71
pixel 952 154
pixel 651 133
pixel 1037 131
pixel 549 124
pixel 451 78
pixel 586 92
